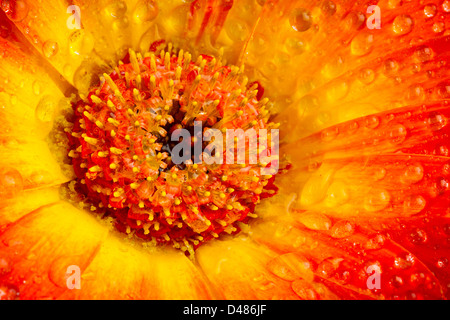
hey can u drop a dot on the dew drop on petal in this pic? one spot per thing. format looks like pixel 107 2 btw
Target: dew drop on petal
pixel 397 134
pixel 443 90
pixel 304 290
pixel 362 44
pixel 429 10
pixel 8 292
pixel 328 7
pixel 5 265
pixel 116 10
pixel 45 109
pixel 438 27
pixel 446 5
pixel 437 121
pixel 36 87
pixel 237 30
pixel 49 48
pixel 366 76
pixel 403 24
pixel 354 20
pixel 145 11
pixel 372 122
pixel 81 42
pixel 342 229
pixel 424 54
pixel 16 10
pixel 418 236
pixel 377 200
pixel 413 174
pixel 11 182
pixel 414 204
pixel 390 67
pixel 300 20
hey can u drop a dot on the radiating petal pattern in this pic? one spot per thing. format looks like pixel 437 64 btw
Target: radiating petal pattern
pixel 362 200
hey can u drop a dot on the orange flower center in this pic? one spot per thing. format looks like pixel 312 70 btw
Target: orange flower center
pixel 127 161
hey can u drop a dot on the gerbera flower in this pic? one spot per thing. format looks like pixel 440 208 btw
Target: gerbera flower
pixel 91 90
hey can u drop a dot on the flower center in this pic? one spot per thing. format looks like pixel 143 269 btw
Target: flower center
pixel 156 147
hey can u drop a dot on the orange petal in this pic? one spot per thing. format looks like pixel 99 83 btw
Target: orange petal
pixel 238 268
pixel 123 271
pixel 341 264
pixel 57 32
pixel 39 248
pixel 342 68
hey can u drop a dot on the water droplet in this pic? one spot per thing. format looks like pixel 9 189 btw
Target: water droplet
pixel 45 110
pixel 442 185
pixel 429 10
pixel 145 11
pixel 49 48
pixel 81 42
pixel 8 292
pixel 11 182
pixel 366 76
pixel 116 10
pixel 237 30
pixel 436 121
pixel 414 204
pixel 415 92
pixel 438 27
pixel 375 242
pixel 354 20
pixel 397 281
pixel 314 221
pixel 337 194
pixel 362 44
pixel 328 267
pixel 404 261
pixel 377 200
pixel 372 122
pixel 15 10
pixel 413 174
pixel 342 229
pixel 380 173
pixel 397 134
pixel 36 88
pixel 424 54
pixel 390 67
pixel 446 5
pixel 442 263
pixel 329 134
pixel 443 90
pixel 418 236
pixel 338 90
pixel 304 290
pixel 300 20
pixel 402 25
pixel 5 266
pixel 328 7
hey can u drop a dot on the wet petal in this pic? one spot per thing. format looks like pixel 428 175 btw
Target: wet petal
pixel 238 268
pixel 41 246
pixel 344 69
pixel 121 270
pixel 56 30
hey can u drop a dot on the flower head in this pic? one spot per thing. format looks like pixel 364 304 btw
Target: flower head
pixel 104 106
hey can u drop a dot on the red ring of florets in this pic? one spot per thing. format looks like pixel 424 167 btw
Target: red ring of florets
pixel 119 140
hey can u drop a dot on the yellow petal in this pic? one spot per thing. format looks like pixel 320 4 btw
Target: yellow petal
pixel 40 247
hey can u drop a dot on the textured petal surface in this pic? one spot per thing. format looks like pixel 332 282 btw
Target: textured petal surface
pixel 364 120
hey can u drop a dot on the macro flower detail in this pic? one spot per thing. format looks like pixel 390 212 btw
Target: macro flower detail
pixel 92 93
